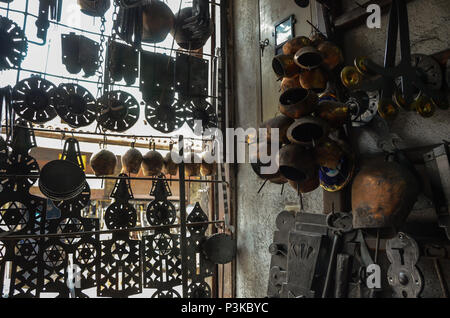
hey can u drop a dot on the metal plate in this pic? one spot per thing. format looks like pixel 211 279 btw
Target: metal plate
pixel 164 117
pixel 363 107
pixel 198 109
pixel 119 111
pixel 75 105
pixel 123 62
pixel 33 99
pixel 191 76
pixel 157 77
pixel 220 248
pixel 13 44
pixel 19 164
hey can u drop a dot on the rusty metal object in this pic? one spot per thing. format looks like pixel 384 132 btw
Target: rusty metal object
pixel 292 46
pixel 328 153
pixel 383 195
pixel 284 66
pixel 103 163
pixel 332 55
pixel 298 102
pixel 282 123
pixel 308 58
pixel 94 8
pixel 131 161
pixel 290 82
pixel 297 163
pixel 157 21
pixel 334 113
pixel 152 163
pixel 315 80
pixel 307 131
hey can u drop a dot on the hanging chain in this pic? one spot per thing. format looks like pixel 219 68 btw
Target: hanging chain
pixel 100 82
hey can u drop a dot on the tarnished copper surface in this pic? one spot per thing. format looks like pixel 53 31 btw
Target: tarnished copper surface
pixel 208 169
pixel 317 38
pixel 328 153
pixel 307 185
pixel 157 21
pixel 383 195
pixel 315 80
pixel 192 168
pixel 284 66
pixel 103 163
pixel 297 163
pixel 256 164
pixel 152 163
pixel 350 76
pixel 334 113
pixel 331 53
pixel 131 161
pixel 307 131
pixel 292 46
pixel 290 82
pixel 308 58
pixel 280 122
pixel 298 102
pixel 170 167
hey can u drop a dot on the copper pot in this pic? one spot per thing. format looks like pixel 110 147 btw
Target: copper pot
pixel 103 163
pixel 315 80
pixel 157 21
pixel 281 123
pixel 131 161
pixel 184 37
pixel 308 58
pixel 94 8
pixel 290 82
pixel 284 66
pixel 307 185
pixel 152 163
pixel 170 167
pixel 331 53
pixel 297 102
pixel 307 131
pixel 328 153
pixel 383 195
pixel 317 38
pixel 297 163
pixel 256 164
pixel 292 46
pixel 192 168
pixel 208 169
pixel 334 113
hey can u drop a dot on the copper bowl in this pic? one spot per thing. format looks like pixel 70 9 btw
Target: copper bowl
pixel 307 131
pixel 290 82
pixel 297 163
pixel 298 102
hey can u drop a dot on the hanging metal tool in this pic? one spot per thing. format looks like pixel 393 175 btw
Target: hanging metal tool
pixel 46 7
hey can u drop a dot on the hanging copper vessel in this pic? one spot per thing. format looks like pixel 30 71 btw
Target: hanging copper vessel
pixel 103 163
pixel 334 113
pixel 276 177
pixel 317 38
pixel 297 102
pixel 297 163
pixel 383 195
pixel 281 123
pixel 307 131
pixel 131 161
pixel 152 162
pixel 328 153
pixel 284 66
pixel 290 82
pixel 170 167
pixel 331 53
pixel 208 169
pixel 94 8
pixel 315 80
pixel 307 185
pixel 192 166
pixel 157 21
pixel 292 46
pixel 388 109
pixel 308 58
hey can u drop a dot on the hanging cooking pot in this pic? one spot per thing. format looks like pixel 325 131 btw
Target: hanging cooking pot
pixel 282 123
pixel 152 162
pixel 284 66
pixel 103 163
pixel 192 164
pixel 331 53
pixel 308 58
pixel 170 167
pixel 292 46
pixel 275 177
pixel 94 8
pixel 61 180
pixel 297 163
pixel 307 131
pixel 307 185
pixel 220 248
pixel 315 80
pixel 157 21
pixel 328 153
pixel 383 195
pixel 290 82
pixel 131 161
pixel 191 33
pixel 297 102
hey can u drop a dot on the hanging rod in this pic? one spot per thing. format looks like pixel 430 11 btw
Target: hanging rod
pixel 76 234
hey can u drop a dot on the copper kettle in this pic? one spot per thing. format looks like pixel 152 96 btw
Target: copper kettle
pixel 157 21
pixel 152 162
pixel 103 163
pixel 383 194
pixel 131 161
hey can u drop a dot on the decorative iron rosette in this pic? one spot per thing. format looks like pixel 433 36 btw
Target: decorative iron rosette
pixel 33 99
pixel 13 44
pixel 119 111
pixel 198 109
pixel 164 117
pixel 76 105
